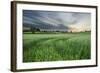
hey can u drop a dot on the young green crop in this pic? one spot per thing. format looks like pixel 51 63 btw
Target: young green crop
pixel 56 47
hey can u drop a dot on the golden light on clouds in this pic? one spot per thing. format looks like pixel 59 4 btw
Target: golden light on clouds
pixel 79 28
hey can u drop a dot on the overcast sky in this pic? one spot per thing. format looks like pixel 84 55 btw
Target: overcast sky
pixel 75 21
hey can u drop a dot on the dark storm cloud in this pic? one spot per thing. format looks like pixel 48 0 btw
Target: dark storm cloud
pixel 53 19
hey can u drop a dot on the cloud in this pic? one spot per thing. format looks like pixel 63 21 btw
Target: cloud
pixel 57 18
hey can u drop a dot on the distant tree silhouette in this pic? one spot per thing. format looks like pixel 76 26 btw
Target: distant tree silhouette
pixel 33 30
pixel 70 31
pixel 38 29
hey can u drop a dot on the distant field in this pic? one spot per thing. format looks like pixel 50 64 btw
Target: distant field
pixel 54 47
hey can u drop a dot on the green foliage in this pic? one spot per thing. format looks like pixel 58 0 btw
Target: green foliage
pixel 56 47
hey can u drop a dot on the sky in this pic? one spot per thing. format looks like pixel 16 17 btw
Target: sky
pixel 70 21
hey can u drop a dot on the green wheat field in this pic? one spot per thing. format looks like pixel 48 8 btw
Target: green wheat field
pixel 40 47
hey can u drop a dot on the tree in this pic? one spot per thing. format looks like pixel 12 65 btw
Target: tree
pixel 38 29
pixel 33 30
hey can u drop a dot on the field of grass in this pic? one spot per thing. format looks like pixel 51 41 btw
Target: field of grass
pixel 56 47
